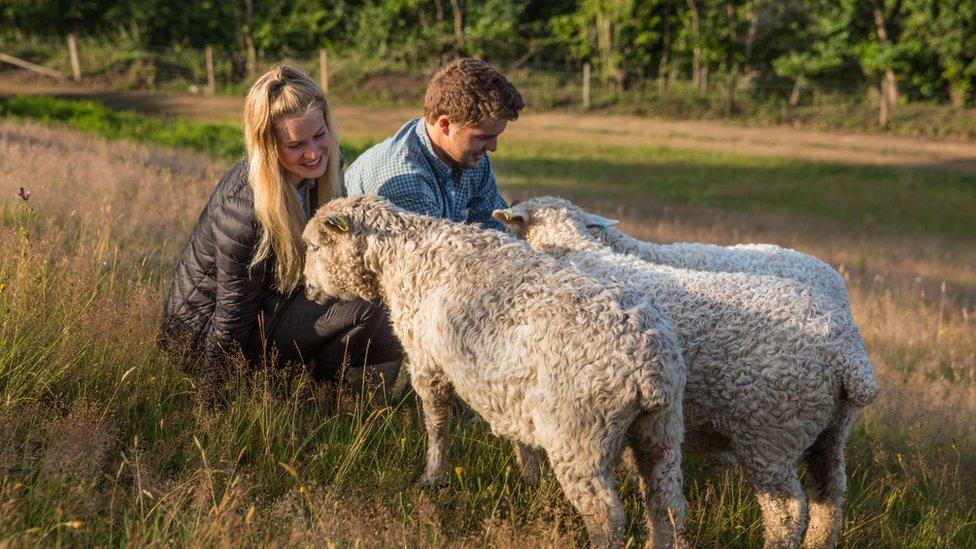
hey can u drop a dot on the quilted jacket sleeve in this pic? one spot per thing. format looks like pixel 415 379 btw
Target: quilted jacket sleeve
pixel 238 289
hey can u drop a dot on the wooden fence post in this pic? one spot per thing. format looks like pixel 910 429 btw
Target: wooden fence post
pixel 884 109
pixel 73 52
pixel 211 79
pixel 586 86
pixel 324 71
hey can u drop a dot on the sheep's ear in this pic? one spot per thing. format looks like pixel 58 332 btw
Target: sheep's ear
pixel 509 216
pixel 337 223
pixel 594 221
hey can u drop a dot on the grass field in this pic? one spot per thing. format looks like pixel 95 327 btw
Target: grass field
pixel 102 446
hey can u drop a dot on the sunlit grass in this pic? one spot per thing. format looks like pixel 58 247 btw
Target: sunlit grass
pixel 903 200
pixel 103 445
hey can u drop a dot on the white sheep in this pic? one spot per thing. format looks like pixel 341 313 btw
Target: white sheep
pixel 762 259
pixel 773 374
pixel 547 356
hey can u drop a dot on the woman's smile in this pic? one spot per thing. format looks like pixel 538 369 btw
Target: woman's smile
pixel 314 164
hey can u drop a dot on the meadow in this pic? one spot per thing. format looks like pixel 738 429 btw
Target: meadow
pixel 101 444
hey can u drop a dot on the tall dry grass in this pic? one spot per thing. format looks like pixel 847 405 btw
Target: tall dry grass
pixel 101 445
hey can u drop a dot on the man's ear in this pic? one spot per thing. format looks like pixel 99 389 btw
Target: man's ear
pixel 443 124
pixel 511 218
pixel 594 221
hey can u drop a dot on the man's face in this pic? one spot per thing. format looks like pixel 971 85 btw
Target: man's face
pixel 466 145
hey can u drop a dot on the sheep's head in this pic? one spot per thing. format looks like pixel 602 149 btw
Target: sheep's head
pixel 340 257
pixel 549 222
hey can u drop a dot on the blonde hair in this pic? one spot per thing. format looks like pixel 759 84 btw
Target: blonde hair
pixel 280 93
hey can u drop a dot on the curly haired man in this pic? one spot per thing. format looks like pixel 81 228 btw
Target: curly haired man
pixel 438 165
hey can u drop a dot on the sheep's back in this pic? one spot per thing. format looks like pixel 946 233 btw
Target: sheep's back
pixel 517 332
pixel 758 349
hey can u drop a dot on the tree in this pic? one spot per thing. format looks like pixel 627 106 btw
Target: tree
pixel 821 44
pixel 946 28
pixel 597 28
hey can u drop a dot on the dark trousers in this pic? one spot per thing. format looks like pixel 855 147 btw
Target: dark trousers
pixel 328 337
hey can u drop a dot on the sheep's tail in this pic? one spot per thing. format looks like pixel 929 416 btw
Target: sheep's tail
pixel 661 379
pixel 857 375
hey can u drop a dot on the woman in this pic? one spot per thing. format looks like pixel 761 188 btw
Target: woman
pixel 238 286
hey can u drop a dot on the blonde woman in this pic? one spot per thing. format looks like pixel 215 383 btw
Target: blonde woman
pixel 238 288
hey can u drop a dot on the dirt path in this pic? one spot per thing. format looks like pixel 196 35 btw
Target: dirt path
pixel 629 131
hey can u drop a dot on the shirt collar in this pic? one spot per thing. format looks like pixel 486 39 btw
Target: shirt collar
pixel 307 184
pixel 442 169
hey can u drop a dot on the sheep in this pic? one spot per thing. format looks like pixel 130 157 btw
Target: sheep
pixel 549 357
pixel 762 259
pixel 774 375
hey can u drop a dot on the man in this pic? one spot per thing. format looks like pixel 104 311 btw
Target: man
pixel 439 165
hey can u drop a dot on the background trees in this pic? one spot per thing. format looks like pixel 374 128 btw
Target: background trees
pixel 894 50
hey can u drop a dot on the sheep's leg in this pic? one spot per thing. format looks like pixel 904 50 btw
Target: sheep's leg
pixel 780 498
pixel 435 394
pixel 828 479
pixel 587 479
pixel 527 458
pixel 592 493
pixel 655 439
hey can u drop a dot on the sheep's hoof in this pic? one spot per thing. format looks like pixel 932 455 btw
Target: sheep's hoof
pixel 433 481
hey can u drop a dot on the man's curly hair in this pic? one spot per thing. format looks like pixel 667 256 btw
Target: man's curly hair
pixel 470 92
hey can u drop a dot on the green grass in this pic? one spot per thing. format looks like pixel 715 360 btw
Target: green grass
pixel 908 200
pixel 106 436
pixel 103 446
pixel 863 198
pixel 224 141
pixel 221 140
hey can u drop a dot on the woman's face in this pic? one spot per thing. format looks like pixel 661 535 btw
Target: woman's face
pixel 303 144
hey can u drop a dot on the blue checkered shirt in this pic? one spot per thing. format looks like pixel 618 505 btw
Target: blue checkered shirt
pixel 404 169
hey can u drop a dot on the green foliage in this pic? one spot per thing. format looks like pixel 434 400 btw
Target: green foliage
pixel 945 28
pixel 220 140
pixel 493 28
pixel 823 44
pixel 298 26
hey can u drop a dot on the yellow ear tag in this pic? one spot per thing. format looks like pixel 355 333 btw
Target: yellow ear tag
pixel 509 214
pixel 339 222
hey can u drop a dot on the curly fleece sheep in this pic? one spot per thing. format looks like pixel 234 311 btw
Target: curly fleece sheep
pixel 761 259
pixel 771 374
pixel 548 357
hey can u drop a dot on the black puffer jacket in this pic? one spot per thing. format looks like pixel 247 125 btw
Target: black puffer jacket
pixel 215 299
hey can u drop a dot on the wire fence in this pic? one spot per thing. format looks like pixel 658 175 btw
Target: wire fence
pixel 547 85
